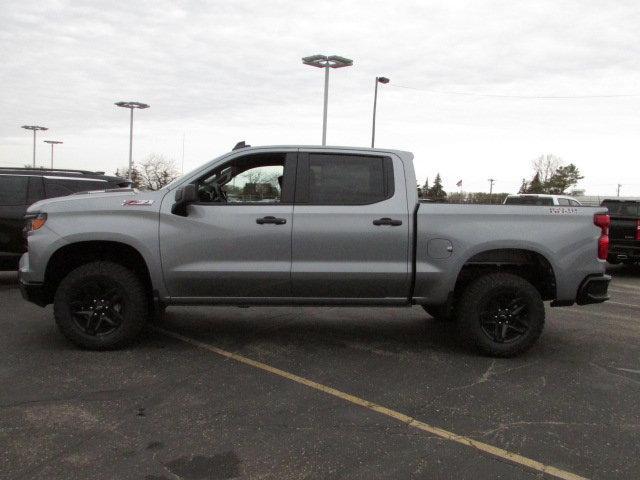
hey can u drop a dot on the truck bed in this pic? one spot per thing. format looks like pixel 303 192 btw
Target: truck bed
pixel 448 236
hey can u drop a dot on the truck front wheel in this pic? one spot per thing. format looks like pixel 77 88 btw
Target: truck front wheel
pixel 501 314
pixel 101 305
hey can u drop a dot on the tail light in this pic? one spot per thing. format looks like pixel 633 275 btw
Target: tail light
pixel 603 221
pixel 638 230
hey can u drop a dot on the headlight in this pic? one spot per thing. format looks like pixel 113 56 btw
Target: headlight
pixel 34 221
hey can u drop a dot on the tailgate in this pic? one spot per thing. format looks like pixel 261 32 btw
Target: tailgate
pixel 623 228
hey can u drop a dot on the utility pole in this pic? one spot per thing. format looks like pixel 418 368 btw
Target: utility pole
pixel 182 167
pixel 619 185
pixel 491 182
pixel 326 62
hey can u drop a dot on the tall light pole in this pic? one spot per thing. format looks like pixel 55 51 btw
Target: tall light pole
pixel 322 61
pixel 384 80
pixel 52 143
pixel 131 106
pixel 619 185
pixel 35 128
pixel 491 182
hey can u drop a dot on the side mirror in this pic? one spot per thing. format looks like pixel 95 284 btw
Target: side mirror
pixel 183 197
pixel 186 194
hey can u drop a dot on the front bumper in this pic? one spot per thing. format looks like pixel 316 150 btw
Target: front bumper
pixel 35 293
pixel 593 290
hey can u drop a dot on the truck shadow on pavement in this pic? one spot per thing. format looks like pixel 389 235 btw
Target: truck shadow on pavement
pixel 384 332
pixel 624 271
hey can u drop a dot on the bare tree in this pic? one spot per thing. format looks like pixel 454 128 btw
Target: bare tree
pixel 156 171
pixel 545 166
pixel 136 180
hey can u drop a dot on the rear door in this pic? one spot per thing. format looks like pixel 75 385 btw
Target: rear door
pixel 350 228
pixel 624 221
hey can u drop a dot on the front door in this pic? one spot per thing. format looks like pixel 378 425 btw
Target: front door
pixel 236 240
pixel 350 228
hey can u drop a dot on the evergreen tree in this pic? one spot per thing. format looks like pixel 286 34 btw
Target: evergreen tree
pixel 563 178
pixel 523 186
pixel 536 186
pixel 436 192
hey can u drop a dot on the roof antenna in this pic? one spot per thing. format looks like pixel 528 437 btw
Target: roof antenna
pixel 240 145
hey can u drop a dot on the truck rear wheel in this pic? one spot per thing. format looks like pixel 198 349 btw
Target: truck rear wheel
pixel 501 314
pixel 101 306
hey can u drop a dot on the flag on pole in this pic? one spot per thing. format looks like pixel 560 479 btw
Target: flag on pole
pixel 459 184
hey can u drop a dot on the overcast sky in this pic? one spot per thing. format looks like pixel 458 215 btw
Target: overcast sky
pixel 218 72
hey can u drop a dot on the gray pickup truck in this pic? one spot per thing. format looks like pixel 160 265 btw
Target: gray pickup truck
pixel 300 225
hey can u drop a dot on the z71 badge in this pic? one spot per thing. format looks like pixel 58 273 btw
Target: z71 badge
pixel 137 203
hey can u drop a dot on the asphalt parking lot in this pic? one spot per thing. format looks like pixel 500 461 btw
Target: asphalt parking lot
pixel 284 393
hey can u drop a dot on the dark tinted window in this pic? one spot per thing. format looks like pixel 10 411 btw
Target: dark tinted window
pixel 60 187
pixel 13 189
pixel 529 200
pixel 625 209
pixel 36 189
pixel 349 179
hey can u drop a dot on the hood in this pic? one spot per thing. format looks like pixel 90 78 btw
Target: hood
pixel 100 200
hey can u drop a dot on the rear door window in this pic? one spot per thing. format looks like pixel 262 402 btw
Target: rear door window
pixel 13 189
pixel 623 209
pixel 348 179
pixel 563 201
pixel 60 187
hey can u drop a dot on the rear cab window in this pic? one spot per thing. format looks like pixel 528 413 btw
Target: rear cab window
pixel 341 179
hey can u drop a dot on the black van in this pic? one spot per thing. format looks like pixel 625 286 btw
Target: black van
pixel 20 187
pixel 624 232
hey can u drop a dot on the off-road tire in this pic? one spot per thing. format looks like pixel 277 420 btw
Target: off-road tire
pixel 133 301
pixel 474 302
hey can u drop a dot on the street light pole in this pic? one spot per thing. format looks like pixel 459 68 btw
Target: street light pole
pixel 131 106
pixel 619 185
pixel 52 143
pixel 35 128
pixel 375 103
pixel 326 62
pixel 326 106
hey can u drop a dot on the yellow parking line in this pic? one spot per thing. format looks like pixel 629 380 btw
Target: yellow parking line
pixel 410 421
pixel 611 302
